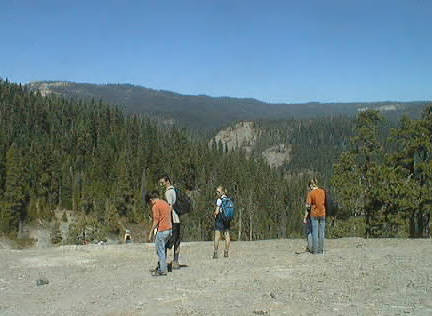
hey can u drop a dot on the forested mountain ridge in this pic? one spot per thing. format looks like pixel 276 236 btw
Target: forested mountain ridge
pixel 294 145
pixel 205 113
pixel 96 161
pixel 379 171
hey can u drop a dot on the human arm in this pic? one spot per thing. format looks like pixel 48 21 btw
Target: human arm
pixel 218 207
pixel 306 215
pixel 216 211
pixel 308 208
pixel 171 197
pixel 154 224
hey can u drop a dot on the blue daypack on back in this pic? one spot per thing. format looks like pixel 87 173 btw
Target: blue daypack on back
pixel 228 209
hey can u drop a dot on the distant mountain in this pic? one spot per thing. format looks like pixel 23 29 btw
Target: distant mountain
pixel 204 112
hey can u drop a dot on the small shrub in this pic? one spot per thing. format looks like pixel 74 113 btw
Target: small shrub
pixel 56 235
pixel 351 227
pixel 64 217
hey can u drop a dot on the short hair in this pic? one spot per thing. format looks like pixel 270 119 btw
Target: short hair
pixel 151 195
pixel 165 177
pixel 313 182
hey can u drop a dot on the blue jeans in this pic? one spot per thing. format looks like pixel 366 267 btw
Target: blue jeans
pixel 318 233
pixel 308 233
pixel 160 241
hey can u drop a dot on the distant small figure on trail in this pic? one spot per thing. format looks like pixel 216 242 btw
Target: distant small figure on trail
pixel 127 239
pixel 316 202
pixel 223 214
pixel 171 198
pixel 161 212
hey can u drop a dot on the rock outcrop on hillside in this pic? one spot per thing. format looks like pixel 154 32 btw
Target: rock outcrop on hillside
pixel 277 155
pixel 242 135
pixel 45 88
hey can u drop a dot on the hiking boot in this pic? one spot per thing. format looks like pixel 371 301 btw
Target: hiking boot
pixel 155 269
pixel 215 255
pixel 226 253
pixel 175 265
pixel 158 273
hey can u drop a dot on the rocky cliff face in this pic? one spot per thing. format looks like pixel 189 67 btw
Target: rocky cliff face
pixel 45 88
pixel 244 135
pixel 277 155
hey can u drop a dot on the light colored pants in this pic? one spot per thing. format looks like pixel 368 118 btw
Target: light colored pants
pixel 160 241
pixel 318 233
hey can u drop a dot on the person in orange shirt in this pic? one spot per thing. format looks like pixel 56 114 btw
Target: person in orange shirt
pixel 161 212
pixel 316 202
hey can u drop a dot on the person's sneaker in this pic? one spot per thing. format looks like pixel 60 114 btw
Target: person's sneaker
pixel 226 253
pixel 215 255
pixel 158 273
pixel 155 269
pixel 175 265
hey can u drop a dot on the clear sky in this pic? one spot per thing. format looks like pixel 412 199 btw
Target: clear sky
pixel 276 51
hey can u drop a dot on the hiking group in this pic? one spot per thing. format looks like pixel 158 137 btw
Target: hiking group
pixel 166 224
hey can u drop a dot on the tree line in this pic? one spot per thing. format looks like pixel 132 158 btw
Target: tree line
pixel 386 181
pixel 96 161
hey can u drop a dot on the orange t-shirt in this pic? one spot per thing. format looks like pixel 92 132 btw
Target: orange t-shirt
pixel 316 199
pixel 162 214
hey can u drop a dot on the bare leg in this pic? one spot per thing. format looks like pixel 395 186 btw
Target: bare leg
pixel 217 237
pixel 227 243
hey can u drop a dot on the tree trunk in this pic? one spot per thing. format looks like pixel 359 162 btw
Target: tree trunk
pixel 250 227
pixel 60 195
pixel 284 221
pixel 367 224
pixel 72 189
pixel 143 184
pixel 412 226
pixel 240 224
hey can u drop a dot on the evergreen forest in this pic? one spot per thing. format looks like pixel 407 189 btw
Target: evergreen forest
pixel 96 161
pixel 205 114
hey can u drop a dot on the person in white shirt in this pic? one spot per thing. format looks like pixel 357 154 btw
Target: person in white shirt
pixel 221 226
pixel 170 197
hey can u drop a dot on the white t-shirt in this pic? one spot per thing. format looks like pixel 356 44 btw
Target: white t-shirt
pixel 170 197
pixel 219 201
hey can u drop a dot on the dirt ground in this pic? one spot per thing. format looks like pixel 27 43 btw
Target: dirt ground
pixel 353 277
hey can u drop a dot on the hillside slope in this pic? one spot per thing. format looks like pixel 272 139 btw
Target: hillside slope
pixel 204 112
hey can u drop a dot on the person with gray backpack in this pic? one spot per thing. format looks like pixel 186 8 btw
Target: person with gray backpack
pixel 224 213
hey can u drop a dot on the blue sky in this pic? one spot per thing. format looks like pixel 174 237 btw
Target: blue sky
pixel 275 51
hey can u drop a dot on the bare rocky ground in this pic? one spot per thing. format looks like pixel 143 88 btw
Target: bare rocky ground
pixel 354 277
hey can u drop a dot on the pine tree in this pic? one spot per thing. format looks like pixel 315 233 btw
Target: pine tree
pixel 14 197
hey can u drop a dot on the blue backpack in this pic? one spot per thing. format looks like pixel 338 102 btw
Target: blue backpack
pixel 228 209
